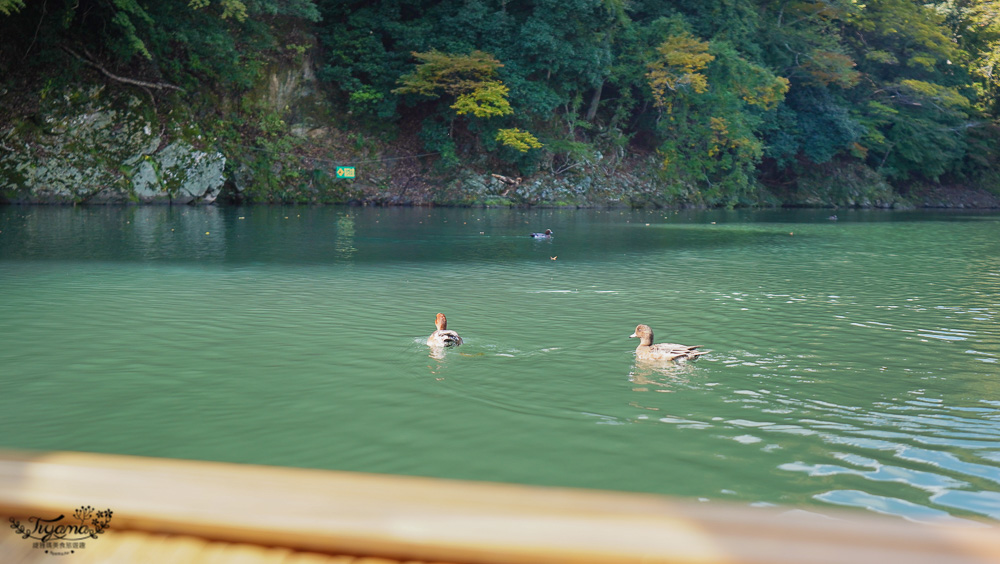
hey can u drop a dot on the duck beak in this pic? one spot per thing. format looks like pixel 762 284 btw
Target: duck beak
pixel 633 336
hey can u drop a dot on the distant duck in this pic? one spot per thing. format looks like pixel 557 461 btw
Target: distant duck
pixel 443 337
pixel 832 218
pixel 662 351
pixel 546 235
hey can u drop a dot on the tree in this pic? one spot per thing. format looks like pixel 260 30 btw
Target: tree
pixel 711 101
pixel 804 42
pixel 182 42
pixel 976 24
pixel 678 67
pixel 471 81
pixel 8 7
pixel 914 98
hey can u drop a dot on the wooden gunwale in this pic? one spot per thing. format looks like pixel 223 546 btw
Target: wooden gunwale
pixel 288 512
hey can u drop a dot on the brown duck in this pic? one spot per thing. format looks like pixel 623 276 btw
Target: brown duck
pixel 662 351
pixel 443 337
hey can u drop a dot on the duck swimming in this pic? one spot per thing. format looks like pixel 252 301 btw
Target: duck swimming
pixel 546 235
pixel 443 337
pixel 662 351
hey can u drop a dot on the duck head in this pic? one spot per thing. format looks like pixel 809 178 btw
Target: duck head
pixel 441 322
pixel 644 334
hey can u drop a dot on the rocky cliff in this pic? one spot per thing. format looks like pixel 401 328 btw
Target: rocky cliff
pixel 99 145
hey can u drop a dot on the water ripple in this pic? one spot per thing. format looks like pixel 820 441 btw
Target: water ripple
pixel 852 363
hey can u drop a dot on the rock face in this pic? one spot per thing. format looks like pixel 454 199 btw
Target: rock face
pixel 179 174
pixel 90 146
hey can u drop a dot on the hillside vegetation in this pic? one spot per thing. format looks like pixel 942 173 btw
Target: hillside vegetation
pixel 684 102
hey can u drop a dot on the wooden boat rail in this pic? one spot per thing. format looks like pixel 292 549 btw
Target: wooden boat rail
pixel 166 510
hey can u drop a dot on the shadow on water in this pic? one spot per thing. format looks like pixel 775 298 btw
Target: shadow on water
pixel 334 235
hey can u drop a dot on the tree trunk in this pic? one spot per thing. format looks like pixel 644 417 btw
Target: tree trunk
pixel 595 100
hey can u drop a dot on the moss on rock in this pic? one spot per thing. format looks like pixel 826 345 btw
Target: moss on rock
pixel 91 145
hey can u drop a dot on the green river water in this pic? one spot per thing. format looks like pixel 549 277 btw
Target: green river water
pixel 853 362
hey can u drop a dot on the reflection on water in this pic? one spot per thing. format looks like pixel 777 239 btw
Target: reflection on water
pixel 436 352
pixel 345 237
pixel 660 376
pixel 853 363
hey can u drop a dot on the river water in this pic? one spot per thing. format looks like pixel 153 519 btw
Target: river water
pixel 853 362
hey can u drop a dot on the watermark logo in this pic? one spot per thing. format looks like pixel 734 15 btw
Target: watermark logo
pixel 345 172
pixel 61 536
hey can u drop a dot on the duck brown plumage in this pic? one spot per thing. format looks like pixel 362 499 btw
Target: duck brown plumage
pixel 443 337
pixel 662 351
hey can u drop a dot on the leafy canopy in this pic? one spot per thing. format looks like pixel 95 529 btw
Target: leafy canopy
pixel 454 74
pixel 681 58
pixel 471 79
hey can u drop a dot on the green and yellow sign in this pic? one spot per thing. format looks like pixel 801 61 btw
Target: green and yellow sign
pixel 345 172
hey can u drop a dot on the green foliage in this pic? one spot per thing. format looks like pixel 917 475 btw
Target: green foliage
pixel 982 166
pixel 721 91
pixel 711 131
pixel 942 96
pixel 187 43
pixel 8 7
pixel 826 68
pixel 128 43
pixel 841 183
pixel 814 124
pixel 980 29
pixel 470 79
pixel 436 138
pixel 230 8
pixel 365 100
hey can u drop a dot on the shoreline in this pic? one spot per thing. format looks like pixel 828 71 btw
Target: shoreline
pixel 940 206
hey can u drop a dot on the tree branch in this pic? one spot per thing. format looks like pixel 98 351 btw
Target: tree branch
pixel 142 83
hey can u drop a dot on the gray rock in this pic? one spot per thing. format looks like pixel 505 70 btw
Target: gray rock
pixel 179 174
pixel 99 147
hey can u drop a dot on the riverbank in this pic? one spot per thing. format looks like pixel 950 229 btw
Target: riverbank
pixel 481 191
pixel 99 144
